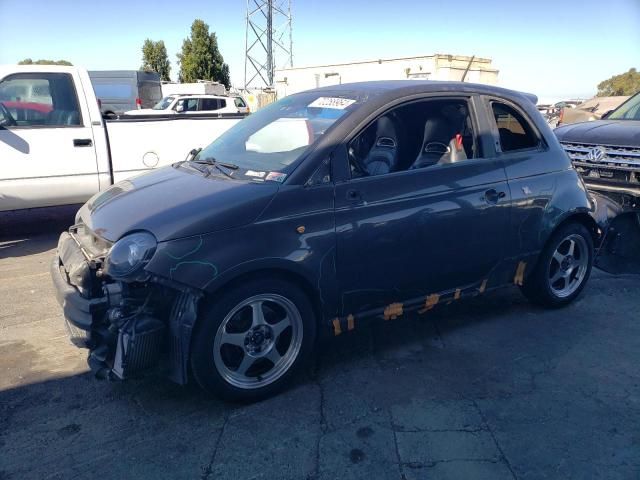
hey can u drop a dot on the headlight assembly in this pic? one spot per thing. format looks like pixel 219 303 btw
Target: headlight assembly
pixel 129 255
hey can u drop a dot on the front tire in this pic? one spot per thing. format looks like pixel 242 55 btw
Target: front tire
pixel 563 267
pixel 252 339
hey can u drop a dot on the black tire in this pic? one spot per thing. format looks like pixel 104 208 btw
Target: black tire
pixel 210 372
pixel 538 286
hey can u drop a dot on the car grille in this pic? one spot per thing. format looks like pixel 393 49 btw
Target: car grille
pixel 585 152
pixel 612 165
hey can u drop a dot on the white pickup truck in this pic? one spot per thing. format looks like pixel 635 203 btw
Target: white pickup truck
pixel 56 149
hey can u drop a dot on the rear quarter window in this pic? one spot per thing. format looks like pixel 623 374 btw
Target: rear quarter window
pixel 514 130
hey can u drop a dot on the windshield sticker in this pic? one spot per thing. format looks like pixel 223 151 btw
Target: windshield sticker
pixel 332 102
pixel 276 176
pixel 251 173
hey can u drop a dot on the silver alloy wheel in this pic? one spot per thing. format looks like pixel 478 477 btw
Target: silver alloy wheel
pixel 568 265
pixel 258 341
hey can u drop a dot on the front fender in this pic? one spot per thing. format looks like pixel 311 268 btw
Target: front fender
pixel 209 262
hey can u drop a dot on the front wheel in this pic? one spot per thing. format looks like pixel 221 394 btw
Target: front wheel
pixel 252 339
pixel 563 267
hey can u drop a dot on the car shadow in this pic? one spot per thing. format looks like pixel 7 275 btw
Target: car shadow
pixel 29 232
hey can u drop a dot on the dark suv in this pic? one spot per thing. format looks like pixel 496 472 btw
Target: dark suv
pixel 320 212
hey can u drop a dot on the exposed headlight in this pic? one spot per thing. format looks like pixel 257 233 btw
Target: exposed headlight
pixel 129 255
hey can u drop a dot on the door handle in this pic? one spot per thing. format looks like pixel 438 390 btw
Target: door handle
pixel 492 196
pixel 82 142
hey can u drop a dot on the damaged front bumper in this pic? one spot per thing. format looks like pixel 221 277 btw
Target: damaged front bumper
pixel 127 327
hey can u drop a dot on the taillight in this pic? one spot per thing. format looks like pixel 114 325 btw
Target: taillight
pixel 138 103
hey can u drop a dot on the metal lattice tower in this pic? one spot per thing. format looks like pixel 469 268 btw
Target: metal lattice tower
pixel 269 43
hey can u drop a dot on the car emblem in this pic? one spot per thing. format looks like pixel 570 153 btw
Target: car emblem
pixel 596 154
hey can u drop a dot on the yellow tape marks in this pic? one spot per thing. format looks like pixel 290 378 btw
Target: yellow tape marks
pixel 430 302
pixel 336 327
pixel 350 322
pixel 519 277
pixel 393 311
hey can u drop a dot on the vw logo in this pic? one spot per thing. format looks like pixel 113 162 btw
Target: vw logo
pixel 596 154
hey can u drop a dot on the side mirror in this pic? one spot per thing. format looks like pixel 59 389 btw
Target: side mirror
pixel 606 114
pixel 180 108
pixel 192 154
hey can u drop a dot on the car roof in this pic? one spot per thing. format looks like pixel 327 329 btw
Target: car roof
pixel 408 87
pixel 201 95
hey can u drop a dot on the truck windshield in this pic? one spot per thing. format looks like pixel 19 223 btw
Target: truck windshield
pixel 629 110
pixel 266 144
pixel 163 104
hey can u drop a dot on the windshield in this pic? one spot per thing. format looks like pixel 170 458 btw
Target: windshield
pixel 630 110
pixel 267 143
pixel 164 103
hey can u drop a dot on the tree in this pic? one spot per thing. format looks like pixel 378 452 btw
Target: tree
pixel 155 59
pixel 200 58
pixel 28 61
pixel 626 83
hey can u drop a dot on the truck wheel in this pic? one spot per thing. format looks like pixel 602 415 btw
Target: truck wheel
pixel 563 267
pixel 252 339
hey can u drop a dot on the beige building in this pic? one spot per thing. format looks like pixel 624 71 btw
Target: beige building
pixel 429 67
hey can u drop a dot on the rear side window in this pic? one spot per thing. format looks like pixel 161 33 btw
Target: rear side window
pixel 515 132
pixel 40 99
pixel 210 104
pixel 113 91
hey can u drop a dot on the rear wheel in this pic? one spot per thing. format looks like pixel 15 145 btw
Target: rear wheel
pixel 252 339
pixel 563 268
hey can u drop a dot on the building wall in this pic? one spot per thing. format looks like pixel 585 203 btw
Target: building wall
pixel 432 67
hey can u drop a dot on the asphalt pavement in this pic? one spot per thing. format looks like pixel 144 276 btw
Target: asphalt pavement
pixel 489 388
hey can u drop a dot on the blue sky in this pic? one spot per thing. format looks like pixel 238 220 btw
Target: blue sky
pixel 554 48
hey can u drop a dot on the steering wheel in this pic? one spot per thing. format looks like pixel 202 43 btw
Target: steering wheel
pixel 6 119
pixel 357 163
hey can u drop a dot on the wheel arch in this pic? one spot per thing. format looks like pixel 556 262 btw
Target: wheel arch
pixel 582 217
pixel 284 272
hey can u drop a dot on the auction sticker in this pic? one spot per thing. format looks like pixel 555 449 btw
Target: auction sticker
pixel 251 173
pixel 276 176
pixel 332 102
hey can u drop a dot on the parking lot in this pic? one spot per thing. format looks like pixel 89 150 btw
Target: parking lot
pixel 489 388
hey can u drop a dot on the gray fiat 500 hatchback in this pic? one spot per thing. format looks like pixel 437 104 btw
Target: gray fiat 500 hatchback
pixel 320 212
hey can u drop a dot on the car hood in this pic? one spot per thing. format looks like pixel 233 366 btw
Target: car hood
pixel 174 203
pixel 624 133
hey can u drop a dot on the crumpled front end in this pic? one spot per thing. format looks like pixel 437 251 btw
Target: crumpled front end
pixel 128 326
pixel 618 218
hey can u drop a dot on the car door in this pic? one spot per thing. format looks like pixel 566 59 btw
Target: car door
pixel 47 153
pixel 533 173
pixel 414 232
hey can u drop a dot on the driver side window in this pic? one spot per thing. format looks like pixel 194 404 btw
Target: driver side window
pixel 39 100
pixel 416 135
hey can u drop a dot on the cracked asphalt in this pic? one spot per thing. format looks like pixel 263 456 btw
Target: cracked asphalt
pixel 490 388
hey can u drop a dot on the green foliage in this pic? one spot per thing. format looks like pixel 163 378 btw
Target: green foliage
pixel 28 61
pixel 200 58
pixel 155 59
pixel 626 83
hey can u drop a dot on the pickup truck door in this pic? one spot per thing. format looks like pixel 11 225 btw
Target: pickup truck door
pixel 47 152
pixel 413 232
